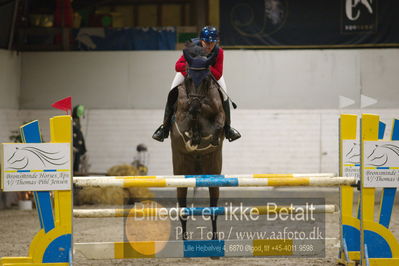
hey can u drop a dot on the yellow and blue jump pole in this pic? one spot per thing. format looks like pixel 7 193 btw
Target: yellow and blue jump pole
pixel 215 182
pixel 214 176
pixel 378 244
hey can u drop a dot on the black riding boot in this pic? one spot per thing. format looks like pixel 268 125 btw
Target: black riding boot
pixel 230 133
pixel 163 131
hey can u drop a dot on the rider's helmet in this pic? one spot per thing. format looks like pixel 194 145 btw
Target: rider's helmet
pixel 209 34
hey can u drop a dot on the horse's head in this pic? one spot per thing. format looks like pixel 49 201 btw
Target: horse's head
pixel 274 11
pixel 200 116
pixel 197 83
pixel 353 155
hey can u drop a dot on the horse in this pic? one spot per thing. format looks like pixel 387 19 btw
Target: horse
pixel 197 127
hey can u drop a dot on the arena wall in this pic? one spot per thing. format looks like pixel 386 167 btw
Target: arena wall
pixel 257 79
pixel 10 77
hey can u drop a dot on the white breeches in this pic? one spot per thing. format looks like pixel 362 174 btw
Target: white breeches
pixel 179 78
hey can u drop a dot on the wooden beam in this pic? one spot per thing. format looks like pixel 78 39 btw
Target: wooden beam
pixel 135 15
pixel 182 14
pixel 12 30
pixel 159 15
pixel 93 3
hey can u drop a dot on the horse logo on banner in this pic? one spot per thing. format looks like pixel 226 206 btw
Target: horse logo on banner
pixel 250 20
pixel 22 156
pixel 360 16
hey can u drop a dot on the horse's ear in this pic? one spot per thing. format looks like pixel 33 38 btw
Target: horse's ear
pixel 187 56
pixel 189 44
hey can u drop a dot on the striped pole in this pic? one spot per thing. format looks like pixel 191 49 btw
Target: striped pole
pixel 257 210
pixel 214 176
pixel 216 182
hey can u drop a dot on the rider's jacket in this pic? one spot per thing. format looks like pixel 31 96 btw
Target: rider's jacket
pixel 216 68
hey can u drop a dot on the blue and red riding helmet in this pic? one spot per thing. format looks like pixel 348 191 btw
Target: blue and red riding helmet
pixel 209 34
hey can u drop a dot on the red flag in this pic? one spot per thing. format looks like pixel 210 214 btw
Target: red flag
pixel 64 104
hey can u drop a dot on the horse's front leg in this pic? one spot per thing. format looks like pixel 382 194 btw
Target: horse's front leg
pixel 213 202
pixel 182 200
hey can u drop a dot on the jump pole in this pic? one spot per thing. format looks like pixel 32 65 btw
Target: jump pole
pixel 213 176
pixel 350 225
pixel 217 182
pixel 256 210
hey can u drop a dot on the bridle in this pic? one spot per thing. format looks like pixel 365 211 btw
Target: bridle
pixel 195 97
pixel 198 68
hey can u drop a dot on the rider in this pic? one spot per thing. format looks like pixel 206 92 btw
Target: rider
pixel 208 39
pixel 79 146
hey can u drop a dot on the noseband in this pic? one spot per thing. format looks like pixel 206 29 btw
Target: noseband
pixel 195 101
pixel 198 68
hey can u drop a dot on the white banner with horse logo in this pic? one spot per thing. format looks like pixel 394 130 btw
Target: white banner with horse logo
pixel 351 158
pixel 381 163
pixel 36 166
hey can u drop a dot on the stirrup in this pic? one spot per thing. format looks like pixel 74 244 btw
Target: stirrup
pixel 161 133
pixel 232 134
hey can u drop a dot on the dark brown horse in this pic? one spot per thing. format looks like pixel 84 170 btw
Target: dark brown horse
pixel 197 129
